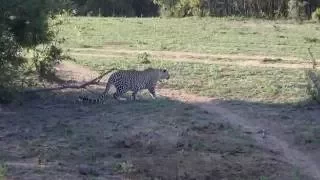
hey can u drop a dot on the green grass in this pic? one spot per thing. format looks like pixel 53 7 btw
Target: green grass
pixel 273 85
pixel 207 35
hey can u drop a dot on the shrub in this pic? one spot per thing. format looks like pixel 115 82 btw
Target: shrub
pixel 296 10
pixel 24 25
pixel 10 65
pixel 316 15
pixel 182 8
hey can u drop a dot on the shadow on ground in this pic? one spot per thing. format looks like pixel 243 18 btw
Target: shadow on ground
pixel 50 137
pixel 299 121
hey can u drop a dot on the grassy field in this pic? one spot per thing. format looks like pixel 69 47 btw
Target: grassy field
pixel 266 95
pixel 269 85
pixel 228 36
pixel 205 35
pixel 251 129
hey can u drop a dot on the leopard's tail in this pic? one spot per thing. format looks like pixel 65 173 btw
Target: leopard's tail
pixel 99 99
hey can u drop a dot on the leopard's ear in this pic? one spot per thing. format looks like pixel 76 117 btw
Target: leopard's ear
pixel 164 70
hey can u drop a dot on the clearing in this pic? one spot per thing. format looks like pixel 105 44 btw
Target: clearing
pixel 235 107
pixel 169 138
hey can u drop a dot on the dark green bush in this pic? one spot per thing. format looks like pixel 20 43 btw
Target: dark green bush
pixel 316 15
pixel 11 62
pixel 24 25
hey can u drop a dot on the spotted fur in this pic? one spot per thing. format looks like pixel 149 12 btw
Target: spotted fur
pixel 132 80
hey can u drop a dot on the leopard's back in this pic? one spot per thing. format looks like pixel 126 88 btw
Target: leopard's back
pixel 133 80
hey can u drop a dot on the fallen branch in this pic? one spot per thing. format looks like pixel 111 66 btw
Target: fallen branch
pixel 84 85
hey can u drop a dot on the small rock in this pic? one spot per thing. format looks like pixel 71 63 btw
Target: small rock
pixel 308 141
pixel 309 108
pixel 123 144
pixel 284 117
pixel 248 132
pixel 221 126
pixel 180 145
pixel 206 112
pixel 83 109
pixel 117 155
pixel 151 149
pixel 88 170
pixel 128 143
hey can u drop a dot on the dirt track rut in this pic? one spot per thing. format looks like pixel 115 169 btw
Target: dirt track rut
pixel 224 59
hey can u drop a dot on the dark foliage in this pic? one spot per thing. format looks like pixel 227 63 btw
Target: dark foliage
pixel 25 25
pixel 116 7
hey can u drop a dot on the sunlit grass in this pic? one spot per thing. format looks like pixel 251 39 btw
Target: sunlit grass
pixel 222 81
pixel 207 35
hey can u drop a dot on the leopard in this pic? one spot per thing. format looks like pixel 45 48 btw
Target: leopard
pixel 131 80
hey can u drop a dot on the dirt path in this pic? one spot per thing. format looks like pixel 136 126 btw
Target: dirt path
pixel 271 141
pixel 224 59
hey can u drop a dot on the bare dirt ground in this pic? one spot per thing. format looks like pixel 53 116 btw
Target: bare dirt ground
pixel 272 142
pixel 179 136
pixel 225 59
